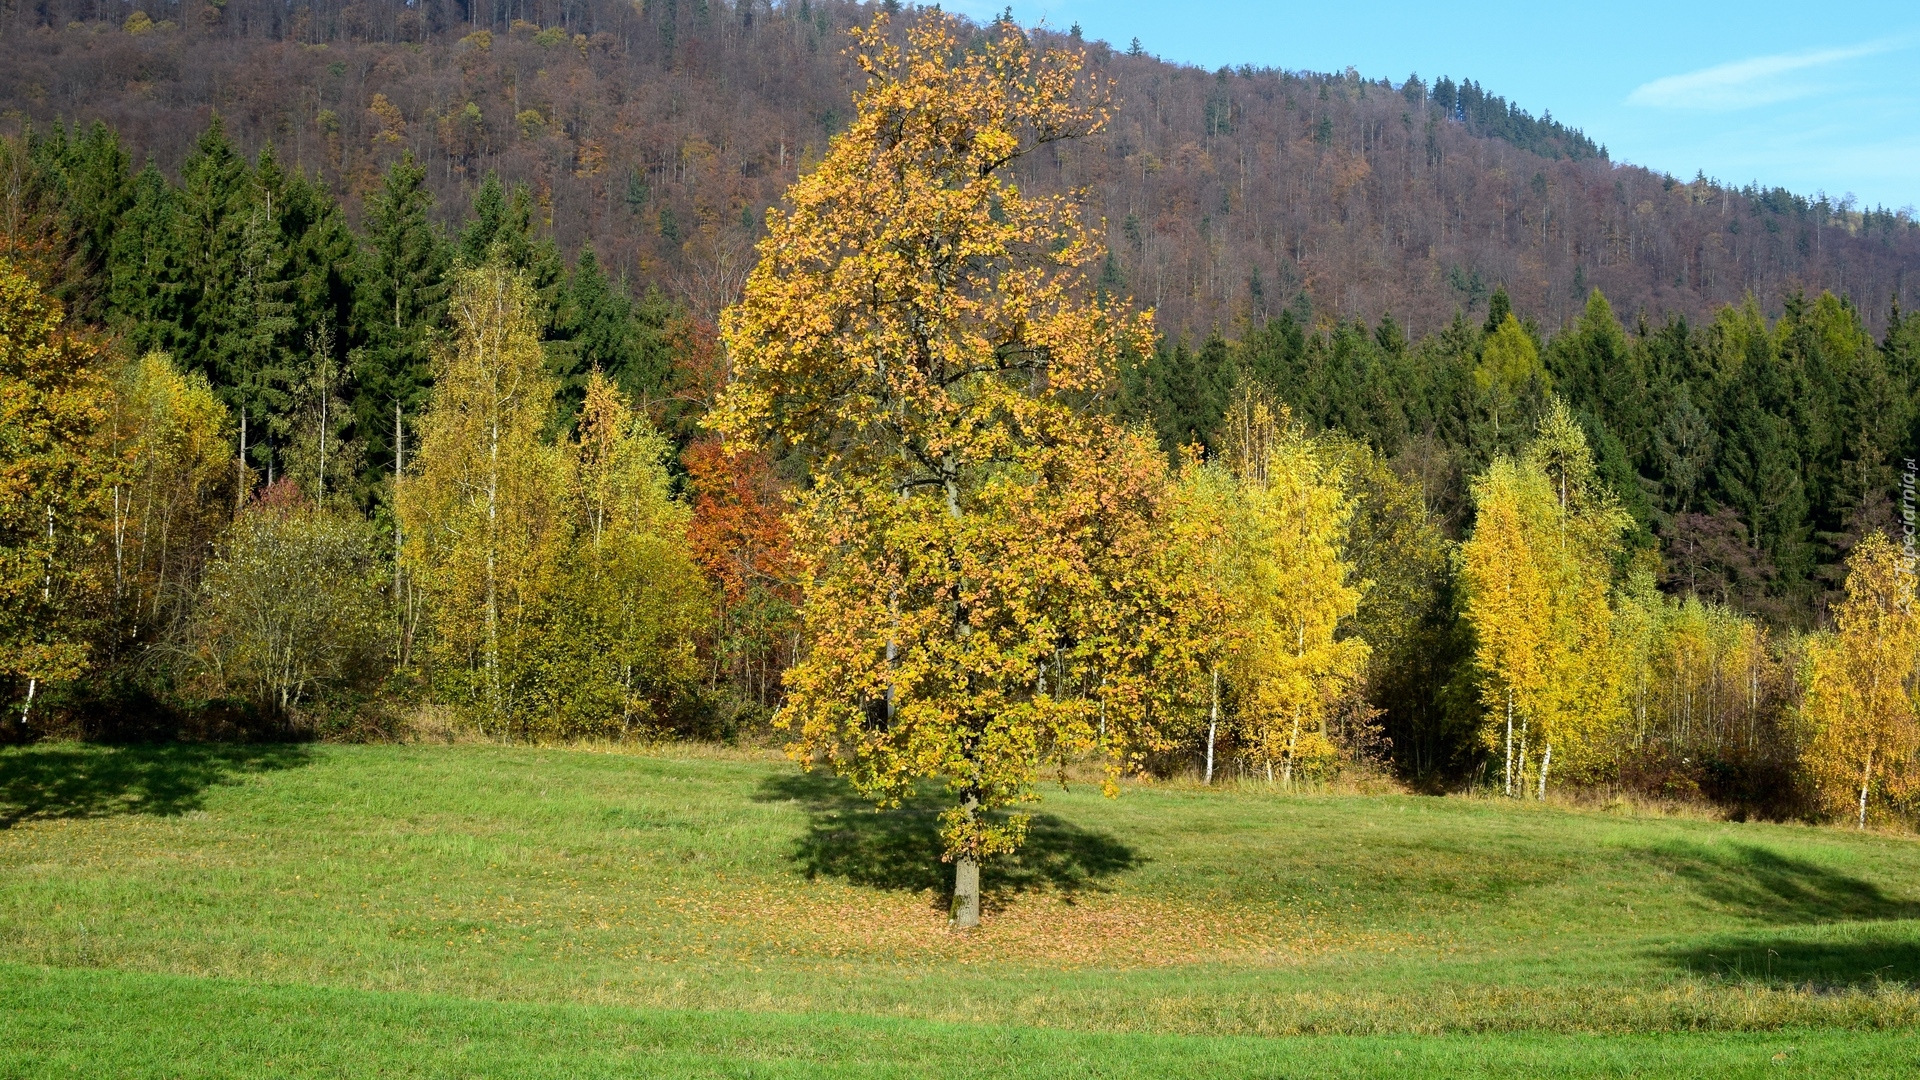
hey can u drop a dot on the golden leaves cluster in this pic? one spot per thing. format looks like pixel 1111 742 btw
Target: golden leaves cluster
pixel 1863 685
pixel 1539 598
pixel 918 329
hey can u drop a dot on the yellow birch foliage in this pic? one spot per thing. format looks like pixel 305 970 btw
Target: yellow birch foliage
pixel 1861 685
pixel 614 654
pixel 484 514
pixel 172 495
pixel 1700 678
pixel 54 469
pixel 1507 602
pixel 918 326
pixel 1295 590
pixel 1537 571
pixel 1585 704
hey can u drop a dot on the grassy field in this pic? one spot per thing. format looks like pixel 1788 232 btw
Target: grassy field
pixel 489 911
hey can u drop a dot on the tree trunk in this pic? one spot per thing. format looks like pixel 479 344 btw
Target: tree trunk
pixel 1293 744
pixel 966 893
pixel 1520 762
pixel 1866 781
pixel 1546 762
pixel 1213 722
pixel 493 585
pixel 240 467
pixel 1508 761
pixel 27 709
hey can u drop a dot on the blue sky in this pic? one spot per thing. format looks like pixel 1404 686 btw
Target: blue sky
pixel 1812 99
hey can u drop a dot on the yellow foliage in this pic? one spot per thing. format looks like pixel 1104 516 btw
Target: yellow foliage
pixel 483 517
pixel 1862 682
pixel 976 540
pixel 1508 363
pixel 564 597
pixel 1293 589
pixel 53 420
pixel 1537 571
pixel 172 494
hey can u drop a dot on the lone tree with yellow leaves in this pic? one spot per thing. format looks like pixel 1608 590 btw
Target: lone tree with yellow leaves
pixel 1862 682
pixel 918 327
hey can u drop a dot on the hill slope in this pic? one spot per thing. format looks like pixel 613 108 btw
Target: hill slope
pixel 661 130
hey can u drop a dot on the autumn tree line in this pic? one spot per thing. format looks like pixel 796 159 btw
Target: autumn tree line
pixel 934 497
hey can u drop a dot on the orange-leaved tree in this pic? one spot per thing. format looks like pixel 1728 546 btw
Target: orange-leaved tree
pixel 918 327
pixel 739 536
pixel 1863 681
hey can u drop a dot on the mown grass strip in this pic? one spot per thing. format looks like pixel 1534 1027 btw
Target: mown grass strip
pixel 65 1022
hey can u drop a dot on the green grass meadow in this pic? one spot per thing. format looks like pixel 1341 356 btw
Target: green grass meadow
pixel 187 911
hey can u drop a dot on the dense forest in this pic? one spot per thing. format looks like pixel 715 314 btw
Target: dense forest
pixel 662 130
pixel 270 360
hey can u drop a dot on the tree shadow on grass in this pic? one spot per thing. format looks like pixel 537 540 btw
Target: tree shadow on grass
pixel 900 849
pixel 1762 883
pixel 1859 960
pixel 47 782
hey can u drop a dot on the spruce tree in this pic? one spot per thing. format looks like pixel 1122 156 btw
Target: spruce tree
pixel 211 211
pixel 83 179
pixel 399 305
pixel 146 269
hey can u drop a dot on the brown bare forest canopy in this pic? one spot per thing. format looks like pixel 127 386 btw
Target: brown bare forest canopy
pixel 662 129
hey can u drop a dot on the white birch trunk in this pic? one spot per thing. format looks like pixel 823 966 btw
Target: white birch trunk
pixel 1213 722
pixel 1866 781
pixel 1508 760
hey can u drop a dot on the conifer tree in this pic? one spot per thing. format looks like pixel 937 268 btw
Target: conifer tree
pixel 83 179
pixel 1509 369
pixel 400 303
pixel 147 268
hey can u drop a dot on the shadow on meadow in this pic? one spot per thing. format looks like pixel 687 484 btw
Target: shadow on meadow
pixel 900 849
pixel 1861 961
pixel 1761 883
pixel 80 781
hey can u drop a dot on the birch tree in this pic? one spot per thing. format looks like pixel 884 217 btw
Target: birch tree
pixel 1538 571
pixel 484 511
pixel 170 498
pixel 1508 604
pixel 1863 681
pixel 612 649
pixel 54 476
pixel 1294 588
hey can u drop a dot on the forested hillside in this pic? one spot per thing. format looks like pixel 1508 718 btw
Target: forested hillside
pixel 661 131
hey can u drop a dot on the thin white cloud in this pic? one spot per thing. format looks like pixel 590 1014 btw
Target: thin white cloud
pixel 1761 80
